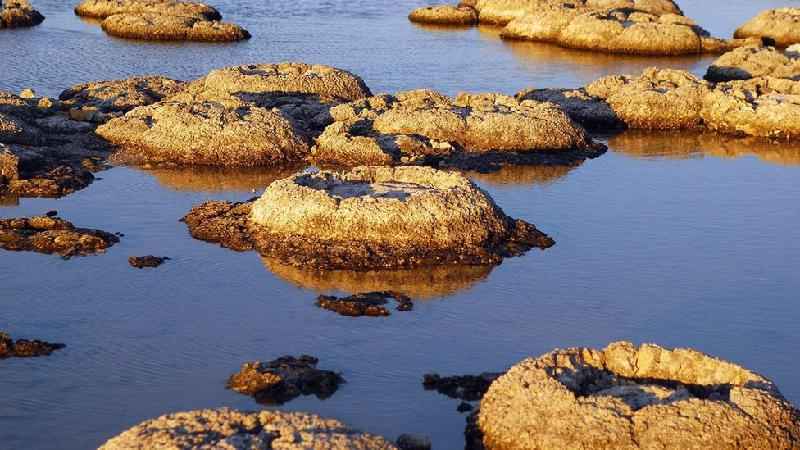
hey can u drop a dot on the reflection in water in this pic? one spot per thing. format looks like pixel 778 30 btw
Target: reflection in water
pixel 214 179
pixel 523 175
pixel 685 145
pixel 419 284
pixel 433 28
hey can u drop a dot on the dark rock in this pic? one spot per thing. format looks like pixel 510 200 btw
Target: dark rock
pixel 413 442
pixel 225 223
pixel 24 348
pixel 141 262
pixel 50 235
pixel 370 304
pixel 464 407
pixel 466 387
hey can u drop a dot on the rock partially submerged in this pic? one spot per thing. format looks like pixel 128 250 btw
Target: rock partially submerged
pixel 469 388
pixel 444 15
pixel 157 27
pixel 102 100
pixel 501 12
pixel 284 379
pixel 227 428
pixel 371 304
pixel 45 234
pixel 23 348
pixel 777 25
pixel 101 9
pixel 756 61
pixel 18 14
pixel 140 262
pixel 629 397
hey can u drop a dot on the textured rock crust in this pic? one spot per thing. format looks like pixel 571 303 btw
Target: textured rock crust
pixel 140 262
pixel 371 304
pixel 781 26
pixel 113 98
pixel 423 126
pixel 104 8
pixel 755 61
pixel 462 387
pixel 18 14
pixel 45 234
pixel 444 15
pixel 24 348
pixel 625 397
pixel 231 429
pixel 284 379
pixel 501 12
pixel 157 27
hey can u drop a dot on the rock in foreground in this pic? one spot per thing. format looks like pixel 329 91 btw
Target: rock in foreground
pixel 24 348
pixel 101 9
pixel 156 27
pixel 18 14
pixel 284 379
pixel 231 429
pixel 444 15
pixel 628 397
pixel 371 304
pixel 52 235
pixel 778 25
pixel 756 61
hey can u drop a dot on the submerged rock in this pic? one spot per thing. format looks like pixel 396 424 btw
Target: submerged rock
pixel 413 442
pixel 24 348
pixel 226 223
pixel 756 61
pixel 284 379
pixel 104 8
pixel 115 97
pixel 157 27
pixel 463 387
pixel 444 15
pixel 501 12
pixel 140 262
pixel 629 397
pixel 18 14
pixel 45 234
pixel 227 428
pixel 371 304
pixel 778 25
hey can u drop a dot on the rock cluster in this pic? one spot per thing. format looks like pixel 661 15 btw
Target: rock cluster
pixel 23 348
pixel 231 429
pixel 777 25
pixel 371 304
pixel 18 14
pixel 284 379
pixel 754 61
pixel 629 397
pixel 45 234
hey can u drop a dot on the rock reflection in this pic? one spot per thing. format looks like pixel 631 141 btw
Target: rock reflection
pixel 210 179
pixel 686 145
pixel 423 283
pixel 523 175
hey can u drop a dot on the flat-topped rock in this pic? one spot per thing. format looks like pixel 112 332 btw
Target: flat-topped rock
pixel 756 61
pixel 284 379
pixel 53 235
pixel 116 97
pixel 104 8
pixel 159 27
pixel 18 14
pixel 444 15
pixel 501 12
pixel 629 397
pixel 781 26
pixel 24 348
pixel 231 429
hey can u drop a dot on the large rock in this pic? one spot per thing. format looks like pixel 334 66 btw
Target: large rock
pixel 18 14
pixel 444 15
pixel 782 26
pixel 45 234
pixel 231 429
pixel 417 125
pixel 631 398
pixel 103 8
pixel 756 61
pixel 501 12
pixel 158 27
pixel 116 97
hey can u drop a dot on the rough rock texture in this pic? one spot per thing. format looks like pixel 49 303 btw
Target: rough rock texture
pixel 413 442
pixel 462 387
pixel 157 27
pixel 756 61
pixel 501 12
pixel 629 397
pixel 764 107
pixel 24 348
pixel 284 379
pixel 224 222
pixel 45 234
pixel 18 14
pixel 252 115
pixel 140 262
pixel 231 429
pixel 424 126
pixel 616 31
pixel 781 26
pixel 444 15
pixel 113 98
pixel 590 111
pixel 103 8
pixel 371 304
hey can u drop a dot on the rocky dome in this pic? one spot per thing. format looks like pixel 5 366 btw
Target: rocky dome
pixel 103 8
pixel 18 14
pixel 756 61
pixel 629 397
pixel 116 97
pixel 782 26
pixel 501 12
pixel 227 428
pixel 158 27
pixel 444 15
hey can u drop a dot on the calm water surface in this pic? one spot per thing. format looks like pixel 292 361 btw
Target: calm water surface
pixel 676 239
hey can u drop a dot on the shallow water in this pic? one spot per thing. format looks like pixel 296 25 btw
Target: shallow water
pixel 682 240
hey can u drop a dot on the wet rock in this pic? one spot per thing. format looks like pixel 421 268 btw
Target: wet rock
pixel 116 97
pixel 464 407
pixel 756 61
pixel 629 397
pixel 104 8
pixel 616 31
pixel 501 12
pixel 779 25
pixel 18 14
pixel 231 429
pixel 24 348
pixel 140 262
pixel 444 15
pixel 284 379
pixel 226 223
pixel 371 304
pixel 425 127
pixel 592 112
pixel 52 235
pixel 157 27
pixel 413 442
pixel 463 387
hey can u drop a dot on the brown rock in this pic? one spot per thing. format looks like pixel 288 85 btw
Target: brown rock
pixel 284 379
pixel 157 27
pixel 756 61
pixel 23 348
pixel 371 304
pixel 104 8
pixel 501 12
pixel 116 97
pixel 140 262
pixel 444 15
pixel 778 25
pixel 462 387
pixel 18 14
pixel 46 234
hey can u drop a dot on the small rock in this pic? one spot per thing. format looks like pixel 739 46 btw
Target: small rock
pixel 50 234
pixel 141 262
pixel 413 442
pixel 23 348
pixel 464 407
pixel 27 93
pixel 369 304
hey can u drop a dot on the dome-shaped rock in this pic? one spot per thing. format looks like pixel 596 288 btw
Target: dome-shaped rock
pixel 159 27
pixel 501 12
pixel 115 97
pixel 756 61
pixel 782 26
pixel 18 14
pixel 444 15
pixel 103 8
